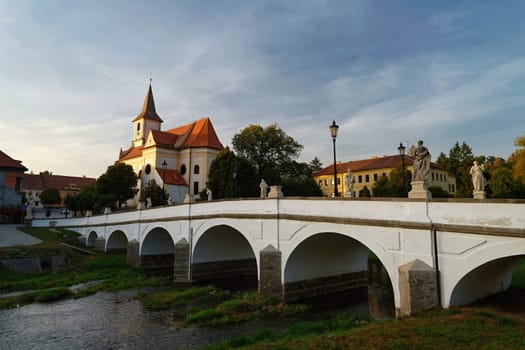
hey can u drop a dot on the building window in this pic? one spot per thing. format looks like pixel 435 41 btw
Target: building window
pixel 338 181
pixel 360 179
pixel 196 187
pixel 196 169
pixel 183 169
pixel 375 177
pixel 148 169
pixel 445 177
pixel 138 126
pixel 383 174
pixel 320 182
pixel 367 178
pixel 325 182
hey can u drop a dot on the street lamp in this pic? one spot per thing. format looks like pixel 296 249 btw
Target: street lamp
pixel 401 150
pixel 164 166
pixel 334 128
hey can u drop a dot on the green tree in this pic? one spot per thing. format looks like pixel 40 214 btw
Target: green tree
pixel 438 192
pixel 269 150
pixel 460 160
pixel 301 187
pixel 155 192
pixel 365 192
pixel 392 185
pixel 503 185
pixel 50 196
pixel 231 176
pixel 119 180
pixel 87 198
pixel 315 165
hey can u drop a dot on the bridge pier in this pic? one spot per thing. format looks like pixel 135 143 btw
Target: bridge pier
pixel 270 273
pixel 132 253
pixel 181 263
pixel 417 288
pixel 100 243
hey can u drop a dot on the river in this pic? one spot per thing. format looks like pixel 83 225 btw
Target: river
pixel 112 321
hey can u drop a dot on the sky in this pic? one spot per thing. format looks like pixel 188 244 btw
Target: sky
pixel 74 74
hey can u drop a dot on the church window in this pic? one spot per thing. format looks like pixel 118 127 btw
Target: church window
pixel 183 169
pixel 138 126
pixel 196 169
pixel 148 169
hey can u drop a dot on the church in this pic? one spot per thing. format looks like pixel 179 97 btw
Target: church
pixel 178 159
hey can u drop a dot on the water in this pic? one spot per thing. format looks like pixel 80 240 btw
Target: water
pixel 110 321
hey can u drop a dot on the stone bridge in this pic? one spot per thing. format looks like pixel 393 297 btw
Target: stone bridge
pixel 435 253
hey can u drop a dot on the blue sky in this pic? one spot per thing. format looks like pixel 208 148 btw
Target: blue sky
pixel 73 74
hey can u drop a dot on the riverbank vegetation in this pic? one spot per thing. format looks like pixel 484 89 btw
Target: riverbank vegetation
pixel 109 272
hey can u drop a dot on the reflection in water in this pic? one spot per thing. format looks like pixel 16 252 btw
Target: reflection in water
pixel 110 321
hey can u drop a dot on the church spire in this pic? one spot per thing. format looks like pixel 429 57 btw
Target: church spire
pixel 148 109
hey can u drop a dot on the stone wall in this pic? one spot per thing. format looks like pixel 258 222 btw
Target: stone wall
pixel 270 273
pixel 218 270
pixel 132 253
pixel 324 285
pixel 181 262
pixel 36 264
pixel 161 264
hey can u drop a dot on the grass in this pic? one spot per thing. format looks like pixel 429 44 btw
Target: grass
pixel 465 328
pixel 110 269
pixel 210 306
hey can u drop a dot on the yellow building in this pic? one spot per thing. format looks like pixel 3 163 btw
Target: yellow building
pixel 367 171
pixel 178 159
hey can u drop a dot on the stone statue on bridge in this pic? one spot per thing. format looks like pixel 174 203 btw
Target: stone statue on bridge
pixel 421 169
pixel 210 194
pixel 478 180
pixel 421 157
pixel 264 189
pixel 350 181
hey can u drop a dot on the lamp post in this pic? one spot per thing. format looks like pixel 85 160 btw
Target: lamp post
pixel 401 150
pixel 334 128
pixel 164 166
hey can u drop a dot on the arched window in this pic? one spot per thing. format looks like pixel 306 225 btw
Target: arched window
pixel 138 126
pixel 183 169
pixel 196 169
pixel 148 169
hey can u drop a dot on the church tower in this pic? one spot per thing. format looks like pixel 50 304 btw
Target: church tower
pixel 147 120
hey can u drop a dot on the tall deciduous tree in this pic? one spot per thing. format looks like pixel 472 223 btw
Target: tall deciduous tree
pixel 518 169
pixel 231 176
pixel 460 160
pixel 270 151
pixel 392 185
pixel 119 180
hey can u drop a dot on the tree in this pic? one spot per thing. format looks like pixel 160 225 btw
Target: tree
pixel 438 192
pixel 50 196
pixel 87 198
pixel 365 192
pixel 315 165
pixel 119 180
pixel 459 162
pixel 392 185
pixel 503 185
pixel 155 192
pixel 231 176
pixel 301 187
pixel 518 169
pixel 269 150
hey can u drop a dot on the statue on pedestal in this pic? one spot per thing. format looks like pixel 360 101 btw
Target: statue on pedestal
pixel 264 189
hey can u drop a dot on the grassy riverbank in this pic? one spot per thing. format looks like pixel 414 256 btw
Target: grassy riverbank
pixel 110 271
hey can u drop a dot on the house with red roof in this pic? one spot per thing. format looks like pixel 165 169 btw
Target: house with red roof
pixel 34 184
pixel 177 159
pixel 11 172
pixel 367 171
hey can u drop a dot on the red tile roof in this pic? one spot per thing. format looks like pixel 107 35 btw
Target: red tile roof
pixel 370 164
pixel 198 134
pixel 171 177
pixel 131 153
pixel 8 163
pixel 43 181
